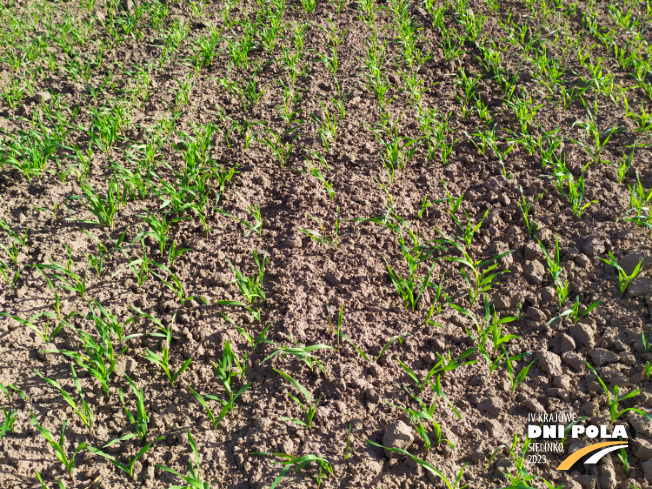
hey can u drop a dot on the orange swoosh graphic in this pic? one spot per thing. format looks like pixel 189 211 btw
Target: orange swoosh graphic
pixel 571 459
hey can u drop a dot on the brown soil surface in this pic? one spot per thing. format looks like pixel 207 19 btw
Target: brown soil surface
pixel 305 282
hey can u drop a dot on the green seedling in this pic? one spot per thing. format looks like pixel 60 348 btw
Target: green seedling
pixel 398 151
pixel 45 333
pixel 139 267
pixel 326 126
pixel 590 126
pixel 453 203
pixel 623 278
pixel 99 358
pixel 57 446
pixel 442 366
pixel 321 238
pixel 251 287
pixel 437 305
pixel 43 486
pixel 227 369
pixel 303 353
pixel 104 209
pixel 298 463
pixel 7 425
pixel 639 205
pixel 84 411
pixel 105 320
pixel 182 95
pixel 646 345
pixel 399 337
pixel 426 413
pixel 163 360
pixel 531 226
pixel 280 143
pixel 202 400
pixel 255 313
pixel 347 450
pixel 407 287
pixel 29 154
pixel 450 485
pixel 251 95
pixel 174 284
pixel 290 100
pixel 139 417
pixel 66 278
pixel 515 381
pixel 478 280
pixel 160 233
pixel 625 164
pixel 6 272
pixel 127 467
pixel 194 479
pixel 308 408
pixel 18 242
pixel 254 210
pixel 494 332
pixel 469 229
pixel 97 262
pixel 254 342
pixel 557 273
pixel 522 478
pixel 328 186
pixel 574 312
pixel 613 399
pixel 5 389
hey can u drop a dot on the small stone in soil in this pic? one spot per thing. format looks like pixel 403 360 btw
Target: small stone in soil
pixel 398 435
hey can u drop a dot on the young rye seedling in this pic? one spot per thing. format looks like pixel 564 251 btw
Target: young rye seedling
pixel 574 312
pixel 254 342
pixel 280 143
pixel 226 369
pixel 46 334
pixel 104 209
pixel 105 320
pixel 140 419
pixel 321 238
pixel 194 479
pixel 303 353
pixel 531 226
pixel 57 446
pixel 319 177
pixel 308 408
pixel 613 399
pixel 8 423
pixel 251 287
pixel 66 278
pixel 84 412
pixel 623 278
pixel 174 284
pixel 426 413
pixel 131 461
pixel 99 358
pixel 442 366
pixel 482 280
pixel 407 288
pixel 298 463
pixel 5 390
pixel 163 360
pixel 254 210
pixel 556 271
pixel 450 485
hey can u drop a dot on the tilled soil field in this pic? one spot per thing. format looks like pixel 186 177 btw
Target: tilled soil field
pixel 302 232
